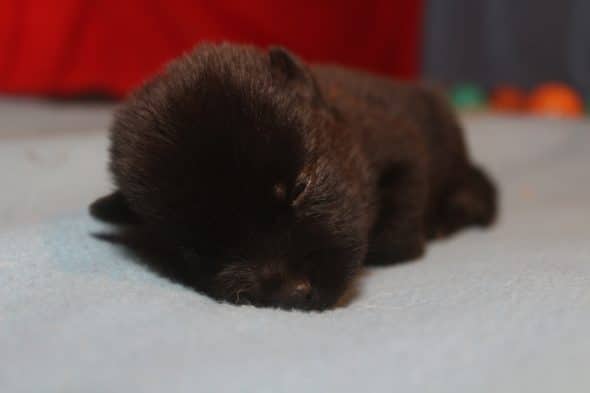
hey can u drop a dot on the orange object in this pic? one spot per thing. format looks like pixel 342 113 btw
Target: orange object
pixel 556 99
pixel 508 99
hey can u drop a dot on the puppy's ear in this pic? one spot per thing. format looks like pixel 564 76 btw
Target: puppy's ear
pixel 113 208
pixel 288 70
pixel 284 64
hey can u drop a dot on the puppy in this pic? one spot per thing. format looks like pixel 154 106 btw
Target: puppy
pixel 261 180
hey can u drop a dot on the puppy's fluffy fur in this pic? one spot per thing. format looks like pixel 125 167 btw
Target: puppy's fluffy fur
pixel 264 181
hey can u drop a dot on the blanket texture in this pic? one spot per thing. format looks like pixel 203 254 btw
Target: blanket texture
pixel 501 311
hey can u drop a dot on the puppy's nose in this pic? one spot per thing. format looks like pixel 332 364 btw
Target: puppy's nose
pixel 294 294
pixel 300 289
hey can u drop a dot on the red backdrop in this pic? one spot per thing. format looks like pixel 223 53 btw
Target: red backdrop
pixel 69 47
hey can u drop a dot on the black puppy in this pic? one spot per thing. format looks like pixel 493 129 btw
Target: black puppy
pixel 266 182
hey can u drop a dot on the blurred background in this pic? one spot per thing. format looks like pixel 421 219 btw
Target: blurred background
pixel 487 51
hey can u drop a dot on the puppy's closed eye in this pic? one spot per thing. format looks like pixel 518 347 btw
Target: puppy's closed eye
pixel 299 191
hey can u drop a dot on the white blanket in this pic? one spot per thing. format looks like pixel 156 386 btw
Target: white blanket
pixel 506 310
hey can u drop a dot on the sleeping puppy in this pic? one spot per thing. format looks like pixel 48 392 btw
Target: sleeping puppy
pixel 263 181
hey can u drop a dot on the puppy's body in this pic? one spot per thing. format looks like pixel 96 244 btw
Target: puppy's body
pixel 425 183
pixel 270 182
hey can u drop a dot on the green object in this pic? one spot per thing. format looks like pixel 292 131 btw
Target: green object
pixel 468 96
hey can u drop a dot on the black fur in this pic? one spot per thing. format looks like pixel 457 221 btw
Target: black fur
pixel 259 180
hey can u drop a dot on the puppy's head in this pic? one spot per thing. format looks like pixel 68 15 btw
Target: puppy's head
pixel 223 156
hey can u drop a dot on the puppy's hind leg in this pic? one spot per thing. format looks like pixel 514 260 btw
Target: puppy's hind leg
pixel 472 201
